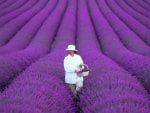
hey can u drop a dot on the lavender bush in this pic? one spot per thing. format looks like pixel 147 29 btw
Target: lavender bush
pixel 13 14
pixel 7 4
pixel 143 5
pixel 2 1
pixel 129 38
pixel 8 30
pixel 107 88
pixel 37 92
pixel 136 64
pixel 132 23
pixel 46 89
pixel 14 63
pixel 13 7
pixel 27 33
pixel 141 17
pixel 147 2
pixel 137 8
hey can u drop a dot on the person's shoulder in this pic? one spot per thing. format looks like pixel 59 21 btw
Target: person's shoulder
pixel 66 57
pixel 77 55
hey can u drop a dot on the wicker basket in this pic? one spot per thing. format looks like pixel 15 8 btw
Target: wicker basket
pixel 84 72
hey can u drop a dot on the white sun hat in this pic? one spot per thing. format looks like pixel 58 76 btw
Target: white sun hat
pixel 71 47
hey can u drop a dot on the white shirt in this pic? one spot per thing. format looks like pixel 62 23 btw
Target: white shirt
pixel 70 64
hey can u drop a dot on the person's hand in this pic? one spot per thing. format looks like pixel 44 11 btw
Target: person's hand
pixel 81 64
pixel 76 71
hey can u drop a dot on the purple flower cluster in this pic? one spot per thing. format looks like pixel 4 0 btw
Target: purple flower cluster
pixel 27 33
pixel 131 22
pixel 143 5
pixel 6 4
pixel 13 26
pixel 141 17
pixel 14 13
pixel 137 8
pixel 129 38
pixel 12 7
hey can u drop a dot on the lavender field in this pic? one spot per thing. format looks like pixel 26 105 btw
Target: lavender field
pixel 112 37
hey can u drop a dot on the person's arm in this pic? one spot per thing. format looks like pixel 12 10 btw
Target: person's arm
pixel 81 60
pixel 67 67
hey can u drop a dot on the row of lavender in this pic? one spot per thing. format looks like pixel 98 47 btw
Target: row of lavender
pixel 133 42
pixel 109 89
pixel 14 63
pixel 138 65
pixel 42 83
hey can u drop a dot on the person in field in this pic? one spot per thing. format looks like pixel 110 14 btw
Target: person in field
pixel 72 64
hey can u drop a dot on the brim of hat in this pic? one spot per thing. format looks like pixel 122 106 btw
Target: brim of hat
pixel 71 50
